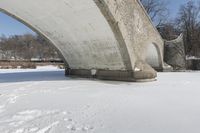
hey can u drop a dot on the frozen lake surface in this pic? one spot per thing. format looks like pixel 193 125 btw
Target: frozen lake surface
pixel 45 101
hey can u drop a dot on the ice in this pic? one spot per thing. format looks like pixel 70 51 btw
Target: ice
pixel 45 101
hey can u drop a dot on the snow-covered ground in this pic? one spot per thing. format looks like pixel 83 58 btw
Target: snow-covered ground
pixel 45 101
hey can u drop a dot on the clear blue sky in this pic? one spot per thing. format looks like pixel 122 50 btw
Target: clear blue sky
pixel 174 5
pixel 9 26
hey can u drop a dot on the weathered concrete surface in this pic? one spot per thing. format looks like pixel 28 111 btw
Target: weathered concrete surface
pixel 175 53
pixel 106 39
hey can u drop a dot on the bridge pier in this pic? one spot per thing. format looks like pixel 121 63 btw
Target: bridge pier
pixel 142 73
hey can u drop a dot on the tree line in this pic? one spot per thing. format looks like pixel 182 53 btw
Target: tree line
pixel 26 47
pixel 187 21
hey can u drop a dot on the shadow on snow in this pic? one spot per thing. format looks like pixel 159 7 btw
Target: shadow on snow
pixel 32 76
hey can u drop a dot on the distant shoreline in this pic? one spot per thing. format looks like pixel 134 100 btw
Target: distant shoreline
pixel 25 64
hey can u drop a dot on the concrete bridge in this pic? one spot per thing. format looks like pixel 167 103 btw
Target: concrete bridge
pixel 105 39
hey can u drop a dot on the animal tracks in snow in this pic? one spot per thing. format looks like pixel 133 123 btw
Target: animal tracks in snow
pixel 37 121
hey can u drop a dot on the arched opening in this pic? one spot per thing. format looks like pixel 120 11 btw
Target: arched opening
pixel 85 40
pixel 153 56
pixel 22 46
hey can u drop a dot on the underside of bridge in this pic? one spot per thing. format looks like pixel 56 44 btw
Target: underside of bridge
pixel 105 39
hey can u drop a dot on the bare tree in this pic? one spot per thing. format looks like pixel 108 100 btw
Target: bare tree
pixel 188 21
pixel 26 47
pixel 168 31
pixel 157 10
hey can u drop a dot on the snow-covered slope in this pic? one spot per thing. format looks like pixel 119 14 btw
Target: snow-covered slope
pixel 44 101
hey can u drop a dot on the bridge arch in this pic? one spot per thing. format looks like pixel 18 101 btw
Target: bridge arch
pixel 86 42
pixel 154 56
pixel 107 37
